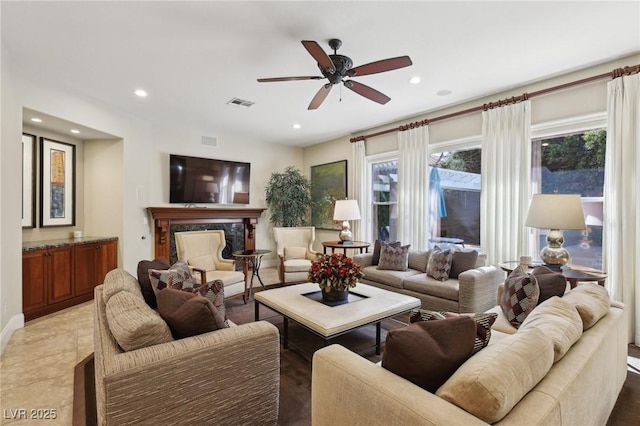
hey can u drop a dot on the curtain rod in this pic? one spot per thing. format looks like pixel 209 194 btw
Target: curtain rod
pixel 618 72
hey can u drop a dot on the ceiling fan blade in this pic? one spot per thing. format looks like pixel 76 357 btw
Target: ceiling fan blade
pixel 320 96
pixel 367 92
pixel 269 80
pixel 381 66
pixel 319 55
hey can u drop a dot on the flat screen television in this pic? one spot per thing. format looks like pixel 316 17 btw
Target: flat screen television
pixel 205 180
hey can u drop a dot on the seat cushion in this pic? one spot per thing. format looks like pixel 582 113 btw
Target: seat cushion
pixel 158 263
pixel 388 277
pixel 188 314
pixel 297 265
pixel 520 296
pixel 428 353
pixel 422 283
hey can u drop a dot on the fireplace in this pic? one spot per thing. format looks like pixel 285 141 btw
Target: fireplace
pixel 238 225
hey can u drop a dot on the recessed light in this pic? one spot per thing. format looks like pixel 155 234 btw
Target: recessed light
pixel 36 120
pixel 415 79
pixel 140 93
pixel 76 131
pixel 444 92
pixel 296 126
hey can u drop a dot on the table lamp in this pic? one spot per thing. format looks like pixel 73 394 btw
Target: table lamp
pixel 555 212
pixel 346 210
pixel 212 190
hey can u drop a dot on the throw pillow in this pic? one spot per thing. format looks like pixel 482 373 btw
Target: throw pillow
pixel 439 264
pixel 520 296
pixel 295 253
pixel 377 246
pixel 551 283
pixel 591 301
pixel 214 292
pixel 394 258
pixel 428 353
pixel 178 273
pixel 483 321
pixel 462 261
pixel 188 314
pixel 205 262
pixel 159 263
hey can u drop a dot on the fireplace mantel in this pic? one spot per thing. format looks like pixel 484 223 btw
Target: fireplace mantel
pixel 165 217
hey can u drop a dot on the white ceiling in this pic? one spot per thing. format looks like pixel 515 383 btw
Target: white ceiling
pixel 193 57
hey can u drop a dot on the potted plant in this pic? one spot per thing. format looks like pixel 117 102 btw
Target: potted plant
pixel 335 273
pixel 288 196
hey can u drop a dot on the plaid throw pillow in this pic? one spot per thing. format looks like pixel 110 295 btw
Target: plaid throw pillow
pixel 177 274
pixel 520 296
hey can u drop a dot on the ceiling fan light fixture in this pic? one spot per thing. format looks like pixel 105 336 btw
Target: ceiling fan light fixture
pixel 416 79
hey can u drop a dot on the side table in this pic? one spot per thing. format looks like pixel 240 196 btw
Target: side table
pixel 333 245
pixel 253 258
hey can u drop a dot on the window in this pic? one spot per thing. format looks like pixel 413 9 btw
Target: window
pixel 573 163
pixel 384 185
pixel 455 181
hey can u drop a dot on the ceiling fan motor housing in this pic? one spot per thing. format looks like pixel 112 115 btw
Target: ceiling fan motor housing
pixel 342 66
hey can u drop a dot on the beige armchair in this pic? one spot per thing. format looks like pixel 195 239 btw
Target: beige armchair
pixel 295 251
pixel 202 250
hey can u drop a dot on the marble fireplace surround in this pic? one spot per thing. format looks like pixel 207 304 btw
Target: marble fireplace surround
pixel 167 220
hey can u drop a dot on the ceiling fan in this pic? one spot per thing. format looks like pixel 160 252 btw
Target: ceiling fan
pixel 336 68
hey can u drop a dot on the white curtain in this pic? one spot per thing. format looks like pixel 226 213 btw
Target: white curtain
pixel 413 188
pixel 621 233
pixel 506 177
pixel 361 228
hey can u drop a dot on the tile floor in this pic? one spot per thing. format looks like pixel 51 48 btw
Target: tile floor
pixel 36 366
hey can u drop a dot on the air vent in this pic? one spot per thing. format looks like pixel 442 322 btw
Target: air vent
pixel 209 141
pixel 240 103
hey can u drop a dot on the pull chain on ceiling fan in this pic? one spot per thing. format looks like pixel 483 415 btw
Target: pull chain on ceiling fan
pixel 336 68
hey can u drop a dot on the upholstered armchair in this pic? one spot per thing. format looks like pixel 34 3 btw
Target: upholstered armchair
pixel 295 252
pixel 202 250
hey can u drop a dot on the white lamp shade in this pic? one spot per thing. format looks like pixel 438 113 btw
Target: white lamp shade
pixel 212 187
pixel 346 210
pixel 556 211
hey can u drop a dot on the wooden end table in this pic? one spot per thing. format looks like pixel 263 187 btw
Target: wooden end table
pixel 333 245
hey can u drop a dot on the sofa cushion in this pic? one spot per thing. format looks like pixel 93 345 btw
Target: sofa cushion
pixel 143 278
pixel 188 314
pixel 205 262
pixel 551 283
pixel 591 301
pixel 377 246
pixel 133 323
pixel 388 277
pixel 118 280
pixel 418 260
pixel 495 379
pixel 295 253
pixel 560 320
pixel 394 258
pixel 520 296
pixel 439 264
pixel 422 283
pixel 296 265
pixel 427 353
pixel 483 321
pixel 179 273
pixel 462 261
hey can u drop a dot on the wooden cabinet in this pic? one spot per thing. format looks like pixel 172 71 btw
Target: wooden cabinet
pixel 55 278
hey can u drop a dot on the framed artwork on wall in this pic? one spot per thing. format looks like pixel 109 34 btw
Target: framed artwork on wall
pixel 328 184
pixel 28 180
pixel 58 183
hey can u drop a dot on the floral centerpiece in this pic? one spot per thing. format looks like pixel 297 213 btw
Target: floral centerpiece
pixel 335 273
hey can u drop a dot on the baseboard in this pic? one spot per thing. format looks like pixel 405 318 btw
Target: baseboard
pixel 15 323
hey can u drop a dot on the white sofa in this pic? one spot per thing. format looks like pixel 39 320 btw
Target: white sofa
pixel 473 291
pixel 579 389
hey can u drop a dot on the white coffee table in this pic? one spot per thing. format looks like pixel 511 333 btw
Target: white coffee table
pixel 300 303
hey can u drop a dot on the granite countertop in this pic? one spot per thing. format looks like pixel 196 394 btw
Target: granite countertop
pixel 60 242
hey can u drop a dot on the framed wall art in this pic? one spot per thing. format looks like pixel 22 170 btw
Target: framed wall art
pixel 28 180
pixel 328 184
pixel 58 183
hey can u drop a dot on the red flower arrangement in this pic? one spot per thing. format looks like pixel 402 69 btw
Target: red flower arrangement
pixel 334 271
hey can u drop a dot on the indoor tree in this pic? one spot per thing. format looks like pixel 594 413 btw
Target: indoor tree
pixel 288 196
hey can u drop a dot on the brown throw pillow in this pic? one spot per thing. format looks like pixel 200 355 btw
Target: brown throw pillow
pixel 394 258
pixel 551 283
pixel 439 263
pixel 158 263
pixel 520 296
pixel 462 261
pixel 483 321
pixel 377 246
pixel 427 353
pixel 188 314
